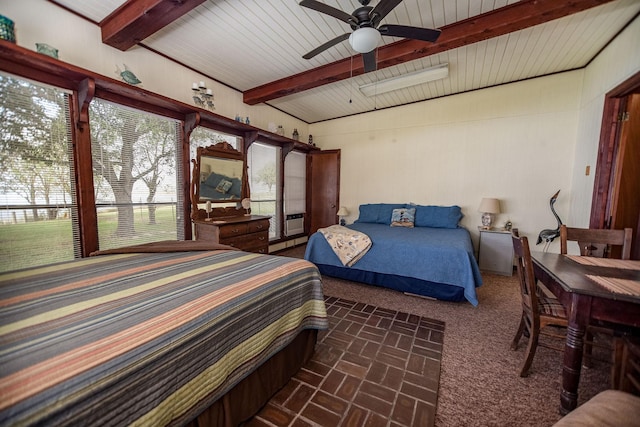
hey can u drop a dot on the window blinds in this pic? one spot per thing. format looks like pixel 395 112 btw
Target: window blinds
pixel 295 181
pixel 136 175
pixel 37 193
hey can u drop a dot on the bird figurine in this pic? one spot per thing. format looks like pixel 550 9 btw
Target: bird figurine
pixel 548 235
pixel 127 75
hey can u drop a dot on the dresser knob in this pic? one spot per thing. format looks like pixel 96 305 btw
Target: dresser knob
pixel 260 238
pixel 235 230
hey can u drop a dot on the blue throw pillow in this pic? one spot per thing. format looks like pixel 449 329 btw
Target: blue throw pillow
pixel 385 211
pixel 214 179
pixel 368 213
pixel 378 213
pixel 236 188
pixel 438 216
pixel 403 217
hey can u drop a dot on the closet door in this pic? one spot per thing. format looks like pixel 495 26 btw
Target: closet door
pixel 324 188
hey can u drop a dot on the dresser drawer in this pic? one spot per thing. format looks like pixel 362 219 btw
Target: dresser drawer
pixel 257 226
pixel 247 241
pixel 232 230
pixel 247 233
pixel 258 245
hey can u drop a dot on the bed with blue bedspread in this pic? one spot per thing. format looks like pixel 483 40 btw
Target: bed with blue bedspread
pixel 432 257
pixel 154 335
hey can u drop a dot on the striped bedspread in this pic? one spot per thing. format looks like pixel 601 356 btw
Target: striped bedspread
pixel 145 338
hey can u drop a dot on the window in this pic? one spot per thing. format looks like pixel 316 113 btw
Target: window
pixel 295 182
pixel 136 175
pixel 264 181
pixel 39 212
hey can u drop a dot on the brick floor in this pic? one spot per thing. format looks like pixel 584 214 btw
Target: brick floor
pixel 373 367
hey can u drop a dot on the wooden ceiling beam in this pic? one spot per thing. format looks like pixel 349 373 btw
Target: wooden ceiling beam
pixel 514 17
pixel 136 20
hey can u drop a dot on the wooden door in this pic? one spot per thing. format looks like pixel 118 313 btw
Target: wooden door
pixel 625 194
pixel 616 165
pixel 324 188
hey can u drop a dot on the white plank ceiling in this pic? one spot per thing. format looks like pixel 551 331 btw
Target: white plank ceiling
pixel 248 43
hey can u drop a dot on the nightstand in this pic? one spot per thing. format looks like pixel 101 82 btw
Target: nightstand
pixel 496 251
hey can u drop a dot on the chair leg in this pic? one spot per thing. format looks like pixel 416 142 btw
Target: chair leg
pixel 616 363
pixel 530 352
pixel 587 361
pixel 516 339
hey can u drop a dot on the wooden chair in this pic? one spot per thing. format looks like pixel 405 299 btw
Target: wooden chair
pixel 601 243
pixel 597 242
pixel 628 377
pixel 538 309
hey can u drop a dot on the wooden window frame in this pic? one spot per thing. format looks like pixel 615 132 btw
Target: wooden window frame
pixel 85 85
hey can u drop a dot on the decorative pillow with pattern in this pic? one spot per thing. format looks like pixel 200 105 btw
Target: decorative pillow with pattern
pixel 223 186
pixel 403 217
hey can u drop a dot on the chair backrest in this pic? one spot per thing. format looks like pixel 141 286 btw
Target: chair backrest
pixel 597 242
pixel 526 276
pixel 630 365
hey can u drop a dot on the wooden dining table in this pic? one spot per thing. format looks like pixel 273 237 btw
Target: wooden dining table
pixel 598 291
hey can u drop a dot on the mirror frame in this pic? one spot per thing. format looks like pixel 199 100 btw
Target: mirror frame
pixel 224 151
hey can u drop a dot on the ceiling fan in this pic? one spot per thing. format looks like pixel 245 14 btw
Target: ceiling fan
pixel 366 33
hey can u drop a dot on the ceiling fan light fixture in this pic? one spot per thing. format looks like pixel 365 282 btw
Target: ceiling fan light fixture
pixel 430 74
pixel 364 39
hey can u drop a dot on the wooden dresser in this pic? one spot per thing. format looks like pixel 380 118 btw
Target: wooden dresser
pixel 248 233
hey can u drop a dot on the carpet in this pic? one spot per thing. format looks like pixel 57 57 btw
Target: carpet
pixel 372 367
pixel 479 381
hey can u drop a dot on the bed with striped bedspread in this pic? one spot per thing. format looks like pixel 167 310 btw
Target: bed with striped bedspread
pixel 145 338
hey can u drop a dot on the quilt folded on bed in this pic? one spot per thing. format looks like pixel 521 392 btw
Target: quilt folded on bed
pixel 349 245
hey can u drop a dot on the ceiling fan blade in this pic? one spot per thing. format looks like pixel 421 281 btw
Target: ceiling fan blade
pixel 424 34
pixel 369 60
pixel 331 11
pixel 326 45
pixel 382 9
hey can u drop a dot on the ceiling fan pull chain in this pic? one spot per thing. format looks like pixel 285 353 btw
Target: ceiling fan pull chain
pixel 375 96
pixel 351 80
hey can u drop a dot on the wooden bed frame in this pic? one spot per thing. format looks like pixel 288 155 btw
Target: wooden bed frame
pixel 247 397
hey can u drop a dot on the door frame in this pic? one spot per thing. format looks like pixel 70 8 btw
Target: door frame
pixel 614 104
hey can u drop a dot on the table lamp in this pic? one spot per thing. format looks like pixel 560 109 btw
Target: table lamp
pixel 488 207
pixel 342 212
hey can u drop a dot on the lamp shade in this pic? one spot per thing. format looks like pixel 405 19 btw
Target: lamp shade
pixel 491 206
pixel 364 39
pixel 343 211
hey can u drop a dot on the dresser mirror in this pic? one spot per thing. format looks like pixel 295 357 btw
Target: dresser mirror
pixel 218 177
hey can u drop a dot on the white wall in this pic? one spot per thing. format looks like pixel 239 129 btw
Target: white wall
pixel 514 142
pixel 614 65
pixel 39 21
pixel 519 142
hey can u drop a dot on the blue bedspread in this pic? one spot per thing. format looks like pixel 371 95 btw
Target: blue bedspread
pixel 432 254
